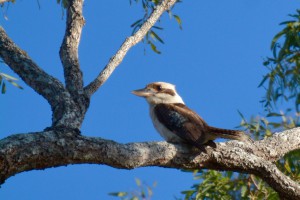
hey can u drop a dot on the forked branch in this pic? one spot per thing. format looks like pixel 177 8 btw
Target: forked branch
pixel 18 60
pixel 129 42
pixel 69 47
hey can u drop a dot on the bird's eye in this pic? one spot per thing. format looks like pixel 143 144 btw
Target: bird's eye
pixel 159 88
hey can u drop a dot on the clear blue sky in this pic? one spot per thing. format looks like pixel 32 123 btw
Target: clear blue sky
pixel 215 61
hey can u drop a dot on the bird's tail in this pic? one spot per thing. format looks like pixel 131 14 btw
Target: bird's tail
pixel 229 134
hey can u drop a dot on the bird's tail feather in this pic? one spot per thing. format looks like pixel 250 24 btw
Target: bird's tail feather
pixel 229 134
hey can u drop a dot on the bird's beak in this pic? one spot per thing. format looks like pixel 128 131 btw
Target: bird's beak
pixel 142 92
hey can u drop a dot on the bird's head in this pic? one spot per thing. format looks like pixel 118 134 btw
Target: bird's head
pixel 159 92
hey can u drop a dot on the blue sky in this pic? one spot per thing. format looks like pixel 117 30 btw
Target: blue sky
pixel 215 62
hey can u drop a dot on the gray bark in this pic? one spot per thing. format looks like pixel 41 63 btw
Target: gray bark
pixel 69 48
pixel 24 152
pixel 62 143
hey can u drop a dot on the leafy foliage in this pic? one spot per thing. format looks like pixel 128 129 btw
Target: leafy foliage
pixel 10 79
pixel 143 192
pixel 152 36
pixel 284 67
pixel 231 185
pixel 227 186
pixel 213 186
pixel 5 7
pixel 261 127
pixel 148 6
pixel 63 3
pixel 7 78
pixel 283 83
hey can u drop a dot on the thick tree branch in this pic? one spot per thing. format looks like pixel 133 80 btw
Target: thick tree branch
pixel 67 111
pixel 24 152
pixel 18 60
pixel 278 145
pixel 129 42
pixel 69 48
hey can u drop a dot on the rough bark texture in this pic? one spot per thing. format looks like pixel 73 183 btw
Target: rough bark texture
pixel 68 106
pixel 69 48
pixel 72 73
pixel 18 60
pixel 62 144
pixel 24 152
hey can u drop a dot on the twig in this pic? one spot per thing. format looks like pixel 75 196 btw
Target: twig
pixel 129 42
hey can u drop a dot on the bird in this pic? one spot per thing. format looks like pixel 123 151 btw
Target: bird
pixel 177 123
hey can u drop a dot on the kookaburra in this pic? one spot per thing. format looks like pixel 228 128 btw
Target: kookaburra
pixel 175 122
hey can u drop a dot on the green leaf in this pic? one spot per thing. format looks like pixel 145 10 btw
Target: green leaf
pixel 272 114
pixel 178 21
pixel 287 167
pixel 153 47
pixel 286 22
pixel 189 192
pixel 242 116
pixel 15 84
pixel 118 194
pixel 275 125
pixel 273 196
pixel 244 191
pixel 64 3
pixel 3 88
pixel 138 182
pixel 135 23
pixel 157 27
pixel 156 2
pixel 276 37
pixel 264 80
pixel 8 77
pixel 268 133
pixel 154 35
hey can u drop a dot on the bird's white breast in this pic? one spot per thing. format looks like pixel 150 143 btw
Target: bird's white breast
pixel 168 135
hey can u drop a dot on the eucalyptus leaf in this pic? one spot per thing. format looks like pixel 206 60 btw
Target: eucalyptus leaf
pixel 3 88
pixel 118 194
pixel 178 21
pixel 8 77
pixel 154 35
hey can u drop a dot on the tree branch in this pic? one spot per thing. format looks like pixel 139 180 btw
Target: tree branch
pixel 278 145
pixel 69 47
pixel 3 1
pixel 18 60
pixel 129 42
pixel 24 152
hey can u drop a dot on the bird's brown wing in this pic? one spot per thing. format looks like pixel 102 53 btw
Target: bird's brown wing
pixel 183 122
